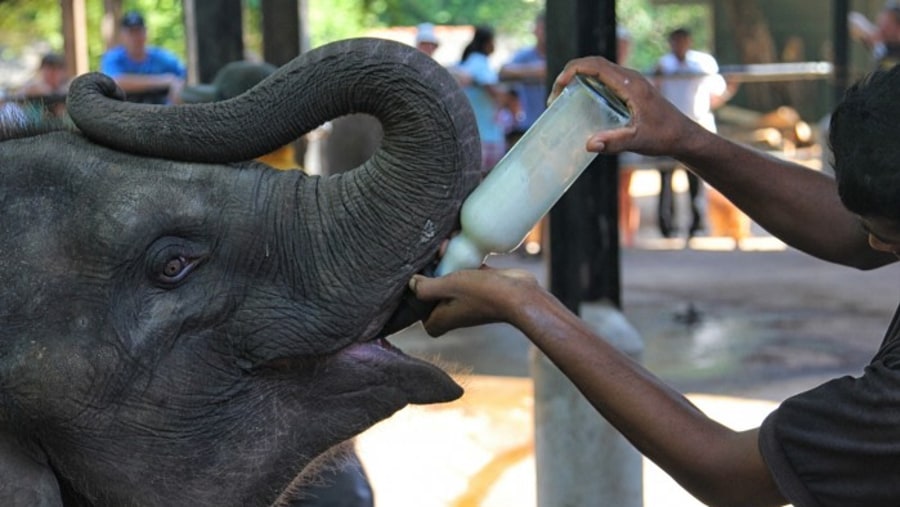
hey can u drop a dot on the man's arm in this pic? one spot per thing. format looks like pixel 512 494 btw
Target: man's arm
pixel 796 204
pixel 170 80
pixel 140 83
pixel 533 72
pixel 716 464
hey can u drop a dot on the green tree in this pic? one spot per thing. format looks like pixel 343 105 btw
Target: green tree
pixel 511 17
pixel 650 25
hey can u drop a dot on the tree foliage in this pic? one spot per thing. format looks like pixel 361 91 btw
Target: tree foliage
pixel 512 17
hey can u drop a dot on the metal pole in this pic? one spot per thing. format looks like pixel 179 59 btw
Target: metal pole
pixel 841 48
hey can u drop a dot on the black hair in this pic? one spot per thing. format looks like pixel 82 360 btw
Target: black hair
pixel 54 60
pixel 679 32
pixel 483 36
pixel 863 137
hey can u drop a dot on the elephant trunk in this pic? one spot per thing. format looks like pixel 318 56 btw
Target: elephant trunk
pixel 393 211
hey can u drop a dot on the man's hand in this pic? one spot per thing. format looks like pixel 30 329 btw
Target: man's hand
pixel 473 297
pixel 656 127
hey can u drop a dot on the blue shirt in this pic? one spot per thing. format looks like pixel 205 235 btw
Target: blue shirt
pixel 476 66
pixel 532 96
pixel 116 62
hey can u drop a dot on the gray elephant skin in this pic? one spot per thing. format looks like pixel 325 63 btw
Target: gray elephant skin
pixel 180 325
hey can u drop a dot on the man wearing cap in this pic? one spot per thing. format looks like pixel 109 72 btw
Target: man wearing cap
pixel 426 41
pixel 146 73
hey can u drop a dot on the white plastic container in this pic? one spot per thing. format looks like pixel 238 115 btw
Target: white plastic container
pixel 533 175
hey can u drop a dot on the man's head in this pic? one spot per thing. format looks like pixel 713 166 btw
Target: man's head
pixel 888 23
pixel 53 69
pixel 680 42
pixel 426 40
pixel 133 32
pixel 863 138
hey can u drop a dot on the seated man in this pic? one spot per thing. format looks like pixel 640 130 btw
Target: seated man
pixel 145 73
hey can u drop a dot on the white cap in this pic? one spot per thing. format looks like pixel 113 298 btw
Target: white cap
pixel 425 33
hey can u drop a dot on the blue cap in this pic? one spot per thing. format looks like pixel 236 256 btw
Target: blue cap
pixel 132 20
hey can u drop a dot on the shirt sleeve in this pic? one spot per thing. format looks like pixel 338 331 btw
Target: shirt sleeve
pixel 838 445
pixel 477 66
pixel 175 66
pixel 109 63
pixel 716 84
pixel 167 63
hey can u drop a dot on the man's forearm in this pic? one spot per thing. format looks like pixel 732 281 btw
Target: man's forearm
pixel 144 83
pixel 704 456
pixel 531 72
pixel 797 204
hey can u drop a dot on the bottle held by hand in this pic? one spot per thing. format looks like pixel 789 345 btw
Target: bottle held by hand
pixel 533 175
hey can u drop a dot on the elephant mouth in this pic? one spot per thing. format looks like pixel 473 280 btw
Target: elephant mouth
pixel 374 364
pixel 418 380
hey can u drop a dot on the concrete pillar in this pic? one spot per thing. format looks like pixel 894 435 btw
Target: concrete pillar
pixel 580 458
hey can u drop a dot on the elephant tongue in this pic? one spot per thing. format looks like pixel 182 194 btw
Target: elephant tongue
pixel 422 381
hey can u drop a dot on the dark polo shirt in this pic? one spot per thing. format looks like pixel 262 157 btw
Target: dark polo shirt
pixel 838 445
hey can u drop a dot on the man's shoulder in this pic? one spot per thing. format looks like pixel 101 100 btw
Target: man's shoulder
pixel 667 63
pixel 114 52
pixel 161 53
pixel 704 60
pixel 166 61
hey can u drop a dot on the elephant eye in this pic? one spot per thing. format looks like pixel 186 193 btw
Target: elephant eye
pixel 173 261
pixel 175 268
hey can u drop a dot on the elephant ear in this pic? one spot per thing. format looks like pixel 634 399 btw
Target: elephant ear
pixel 26 479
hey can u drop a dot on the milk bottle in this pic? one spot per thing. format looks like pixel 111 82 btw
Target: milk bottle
pixel 497 216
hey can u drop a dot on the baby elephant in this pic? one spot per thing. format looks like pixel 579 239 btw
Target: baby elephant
pixel 182 326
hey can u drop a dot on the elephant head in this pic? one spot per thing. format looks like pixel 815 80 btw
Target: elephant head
pixel 180 325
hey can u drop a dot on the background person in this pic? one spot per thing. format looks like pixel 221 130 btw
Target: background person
pixel 426 40
pixel 146 73
pixel 882 38
pixel 481 86
pixel 527 73
pixel 689 79
pixel 629 212
pixel 836 444
pixel 49 85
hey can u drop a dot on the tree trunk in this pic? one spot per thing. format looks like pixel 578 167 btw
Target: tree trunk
pixel 755 45
pixel 109 25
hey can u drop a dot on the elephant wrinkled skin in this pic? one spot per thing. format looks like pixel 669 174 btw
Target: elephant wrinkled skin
pixel 179 326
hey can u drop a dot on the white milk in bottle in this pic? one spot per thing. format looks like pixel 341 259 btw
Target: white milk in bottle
pixel 497 216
